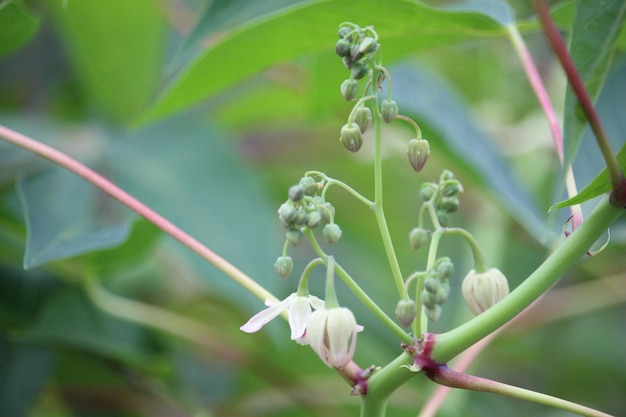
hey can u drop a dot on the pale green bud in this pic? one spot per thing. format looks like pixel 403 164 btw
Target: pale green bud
pixel 331 233
pixel 427 191
pixel 450 188
pixel 417 237
pixel 314 219
pixel 294 236
pixel 351 137
pixel 342 47
pixel 286 213
pixel 283 266
pixel 295 193
pixel 483 290
pixel 309 185
pixel 389 110
pixel 406 310
pixel 368 45
pixel 349 89
pixel 445 268
pixel 358 70
pixel 363 117
pixel 434 313
pixel 441 295
pixel 449 204
pixel 445 176
pixel 418 153
pixel 327 211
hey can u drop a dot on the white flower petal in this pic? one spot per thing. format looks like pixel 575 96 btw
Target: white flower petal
pixel 260 319
pixel 299 315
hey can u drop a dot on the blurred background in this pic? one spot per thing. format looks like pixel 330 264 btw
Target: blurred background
pixel 208 111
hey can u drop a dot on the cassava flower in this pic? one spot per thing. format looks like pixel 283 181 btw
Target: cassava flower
pixel 332 335
pixel 483 290
pixel 299 312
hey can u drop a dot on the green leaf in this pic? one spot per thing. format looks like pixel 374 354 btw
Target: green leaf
pixel 69 319
pixel 65 216
pixel 17 25
pixel 24 369
pixel 595 31
pixel 496 9
pixel 311 27
pixel 116 48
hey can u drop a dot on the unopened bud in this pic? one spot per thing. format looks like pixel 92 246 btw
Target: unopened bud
pixel 355 53
pixel 441 295
pixel 389 110
pixel 343 32
pixel 418 152
pixel 349 88
pixel 314 219
pixel 368 45
pixel 342 47
pixel 445 268
pixel 294 236
pixel 309 185
pixel 331 233
pixel 417 237
pixel 446 175
pixel 351 137
pixel 295 193
pixel 301 217
pixel 442 218
pixel 449 204
pixel 406 310
pixel 434 313
pixel 283 266
pixel 483 290
pixel 450 188
pixel 358 70
pixel 327 211
pixel 427 191
pixel 286 214
pixel 362 118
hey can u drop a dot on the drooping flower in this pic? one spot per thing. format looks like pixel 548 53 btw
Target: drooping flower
pixel 332 335
pixel 299 309
pixel 483 290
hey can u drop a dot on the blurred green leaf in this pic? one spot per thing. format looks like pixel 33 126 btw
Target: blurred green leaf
pixel 69 319
pixel 66 216
pixel 498 10
pixel 17 25
pixel 23 372
pixel 311 27
pixel 594 34
pixel 115 48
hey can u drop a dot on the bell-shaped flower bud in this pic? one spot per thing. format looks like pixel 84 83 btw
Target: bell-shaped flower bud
pixel 418 152
pixel 368 45
pixel 349 89
pixel 343 32
pixel 295 193
pixel 309 185
pixel 327 211
pixel 314 219
pixel 434 312
pixel 417 237
pixel 331 233
pixel 406 310
pixel 389 110
pixel 294 236
pixel 449 204
pixel 287 213
pixel 451 188
pixel 355 53
pixel 358 70
pixel 483 290
pixel 283 266
pixel 441 295
pixel 363 117
pixel 301 217
pixel 351 137
pixel 445 268
pixel 427 191
pixel 446 175
pixel 342 47
pixel 331 333
pixel 442 218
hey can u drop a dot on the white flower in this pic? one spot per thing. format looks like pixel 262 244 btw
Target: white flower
pixel 299 312
pixel 332 335
pixel 483 290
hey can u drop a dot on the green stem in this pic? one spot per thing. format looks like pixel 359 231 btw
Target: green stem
pixel 361 295
pixel 618 182
pixel 303 285
pixel 137 206
pixel 378 205
pixel 453 342
pixel 383 383
pixel 330 296
pixel 479 259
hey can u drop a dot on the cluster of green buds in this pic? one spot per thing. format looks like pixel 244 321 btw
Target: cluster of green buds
pixel 443 196
pixel 356 46
pixel 305 208
pixel 436 287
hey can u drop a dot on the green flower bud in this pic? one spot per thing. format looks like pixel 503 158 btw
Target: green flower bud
pixel 441 295
pixel 327 211
pixel 450 188
pixel 446 175
pixel 314 219
pixel 419 151
pixel 427 191
pixel 406 310
pixel 301 217
pixel 309 185
pixel 427 300
pixel 349 89
pixel 355 53
pixel 283 266
pixel 389 110
pixel 417 237
pixel 343 32
pixel 295 193
pixel 342 47
pixel 331 233
pixel 351 137
pixel 286 213
pixel 434 313
pixel 431 283
pixel 442 217
pixel 294 236
pixel 368 45
pixel 483 290
pixel 347 62
pixel 363 117
pixel 445 268
pixel 449 204
pixel 358 70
